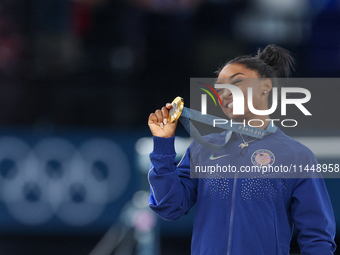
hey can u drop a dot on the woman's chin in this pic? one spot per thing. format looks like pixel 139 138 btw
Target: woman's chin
pixel 236 118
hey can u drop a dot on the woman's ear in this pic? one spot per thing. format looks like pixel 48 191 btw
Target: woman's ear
pixel 267 86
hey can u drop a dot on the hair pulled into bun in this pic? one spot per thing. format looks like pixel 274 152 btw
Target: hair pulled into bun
pixel 278 58
pixel 272 62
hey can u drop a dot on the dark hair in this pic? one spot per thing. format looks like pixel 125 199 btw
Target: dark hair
pixel 272 62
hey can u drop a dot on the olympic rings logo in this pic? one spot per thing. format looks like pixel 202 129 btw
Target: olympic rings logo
pixel 54 178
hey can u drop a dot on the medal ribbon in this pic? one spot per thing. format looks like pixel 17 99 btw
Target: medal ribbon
pixel 190 114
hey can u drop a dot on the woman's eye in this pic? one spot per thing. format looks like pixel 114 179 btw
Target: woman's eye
pixel 218 90
pixel 236 81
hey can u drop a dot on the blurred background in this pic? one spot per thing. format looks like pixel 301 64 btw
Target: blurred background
pixel 78 80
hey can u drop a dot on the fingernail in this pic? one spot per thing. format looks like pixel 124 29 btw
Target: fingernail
pixel 168 104
pixel 161 125
pixel 165 121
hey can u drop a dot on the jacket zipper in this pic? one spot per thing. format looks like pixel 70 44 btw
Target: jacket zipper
pixel 232 210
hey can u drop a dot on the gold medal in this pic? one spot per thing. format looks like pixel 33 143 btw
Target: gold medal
pixel 176 110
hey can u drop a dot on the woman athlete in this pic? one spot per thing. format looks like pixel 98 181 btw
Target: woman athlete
pixel 243 216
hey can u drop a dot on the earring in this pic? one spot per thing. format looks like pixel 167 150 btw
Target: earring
pixel 265 91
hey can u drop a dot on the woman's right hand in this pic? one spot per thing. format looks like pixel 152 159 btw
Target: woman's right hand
pixel 158 123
